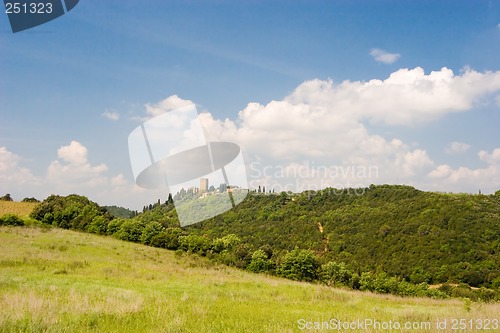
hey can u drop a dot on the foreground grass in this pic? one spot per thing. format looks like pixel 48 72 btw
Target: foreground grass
pixel 63 281
pixel 21 209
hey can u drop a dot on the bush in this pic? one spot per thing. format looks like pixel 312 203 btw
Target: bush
pixel 463 292
pixel 299 265
pixel 99 225
pixel 151 230
pixel 333 273
pixel 114 226
pixel 228 242
pixel 11 219
pixel 366 282
pixel 260 262
pixel 195 244
pixel 30 200
pixel 168 239
pixel 130 231
pixel 6 197
pixel 486 295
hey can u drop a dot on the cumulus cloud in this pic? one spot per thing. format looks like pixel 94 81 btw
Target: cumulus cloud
pixel 12 174
pixel 171 103
pixel 75 153
pixel 111 115
pixel 72 168
pixel 324 122
pixel 456 147
pixel 384 56
pixel 486 179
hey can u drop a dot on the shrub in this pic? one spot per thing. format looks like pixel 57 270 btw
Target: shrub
pixel 130 231
pixel 260 262
pixel 167 239
pixel 366 281
pixel 99 225
pixel 195 244
pixel 333 273
pixel 11 219
pixel 114 226
pixel 228 242
pixel 463 292
pixel 486 295
pixel 151 230
pixel 30 200
pixel 299 265
pixel 6 197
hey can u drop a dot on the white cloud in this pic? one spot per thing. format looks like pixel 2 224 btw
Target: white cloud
pixel 323 122
pixel 73 168
pixel 492 159
pixel 486 179
pixel 111 115
pixel 169 104
pixel 12 174
pixel 498 25
pixel 384 56
pixel 75 153
pixel 456 147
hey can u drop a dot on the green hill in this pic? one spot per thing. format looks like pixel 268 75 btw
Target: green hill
pixel 418 236
pixel 54 280
pixel 357 237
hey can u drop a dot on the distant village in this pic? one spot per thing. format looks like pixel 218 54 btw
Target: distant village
pixel 204 190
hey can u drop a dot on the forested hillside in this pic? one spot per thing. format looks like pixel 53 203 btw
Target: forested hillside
pixel 352 237
pixel 419 236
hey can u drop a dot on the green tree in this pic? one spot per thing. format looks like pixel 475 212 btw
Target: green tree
pixel 260 262
pixel 167 239
pixel 333 273
pixel 130 230
pixel 195 243
pixel 30 200
pixel 11 219
pixel 299 265
pixel 150 231
pixel 6 197
pixel 99 225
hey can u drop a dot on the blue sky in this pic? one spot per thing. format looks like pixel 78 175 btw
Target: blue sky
pixel 255 63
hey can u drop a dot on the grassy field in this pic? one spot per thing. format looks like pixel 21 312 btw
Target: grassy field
pixel 22 209
pixel 62 281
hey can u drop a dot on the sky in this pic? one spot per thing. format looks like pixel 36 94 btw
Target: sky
pixel 316 93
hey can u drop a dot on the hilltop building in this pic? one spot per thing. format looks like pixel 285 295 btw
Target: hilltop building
pixel 203 185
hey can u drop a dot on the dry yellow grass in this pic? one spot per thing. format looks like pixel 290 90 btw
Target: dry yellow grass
pixel 21 209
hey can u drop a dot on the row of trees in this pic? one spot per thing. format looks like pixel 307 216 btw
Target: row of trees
pixel 8 197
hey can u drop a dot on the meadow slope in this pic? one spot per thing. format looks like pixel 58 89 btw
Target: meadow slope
pixel 54 280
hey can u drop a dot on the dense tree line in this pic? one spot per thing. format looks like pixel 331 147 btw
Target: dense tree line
pixel 387 239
